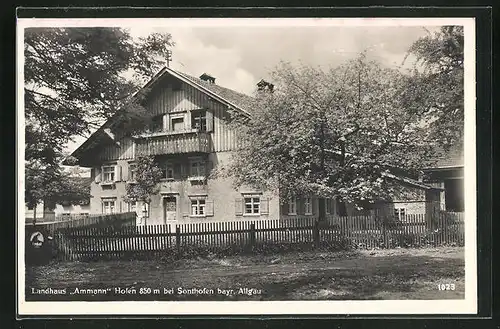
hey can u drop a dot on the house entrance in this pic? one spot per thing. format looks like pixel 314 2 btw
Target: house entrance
pixel 169 208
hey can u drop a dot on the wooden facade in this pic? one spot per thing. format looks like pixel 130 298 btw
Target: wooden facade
pixel 164 99
pixel 181 143
pixel 123 150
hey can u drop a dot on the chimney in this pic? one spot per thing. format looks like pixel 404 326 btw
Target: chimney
pixel 207 77
pixel 263 85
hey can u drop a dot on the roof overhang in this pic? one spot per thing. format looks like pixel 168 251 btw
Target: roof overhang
pixel 411 182
pixel 442 168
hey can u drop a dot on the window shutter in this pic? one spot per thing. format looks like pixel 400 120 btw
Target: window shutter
pixel 165 122
pixel 264 206
pixel 97 175
pixel 314 205
pixel 209 207
pixel 210 121
pixel 118 173
pixel 238 205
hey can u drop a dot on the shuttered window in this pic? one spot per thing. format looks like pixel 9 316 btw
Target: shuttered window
pixel 108 174
pixel 252 205
pixel 108 206
pixel 198 207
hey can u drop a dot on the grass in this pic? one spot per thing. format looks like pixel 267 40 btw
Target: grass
pixel 358 275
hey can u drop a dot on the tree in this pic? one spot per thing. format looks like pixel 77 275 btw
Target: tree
pixel 438 81
pixel 147 177
pixel 75 78
pixel 331 133
pixel 41 182
pixel 51 185
pixel 71 191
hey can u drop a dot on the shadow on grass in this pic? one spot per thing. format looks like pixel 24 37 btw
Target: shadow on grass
pixel 366 279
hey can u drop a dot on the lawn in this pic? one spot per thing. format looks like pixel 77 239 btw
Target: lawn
pixel 357 275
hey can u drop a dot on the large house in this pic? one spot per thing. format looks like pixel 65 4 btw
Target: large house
pixel 189 137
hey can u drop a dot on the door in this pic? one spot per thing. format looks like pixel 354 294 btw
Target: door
pixel 169 208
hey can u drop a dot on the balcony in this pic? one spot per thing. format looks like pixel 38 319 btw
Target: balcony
pixel 172 142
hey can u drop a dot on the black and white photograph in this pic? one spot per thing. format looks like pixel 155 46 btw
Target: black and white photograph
pixel 246 166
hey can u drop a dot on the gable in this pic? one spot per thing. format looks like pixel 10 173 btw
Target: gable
pixel 164 96
pixel 167 97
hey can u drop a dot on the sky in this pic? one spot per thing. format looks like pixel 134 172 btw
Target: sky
pixel 239 56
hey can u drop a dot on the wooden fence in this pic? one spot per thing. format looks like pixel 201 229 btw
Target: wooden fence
pixel 128 241
pixel 51 238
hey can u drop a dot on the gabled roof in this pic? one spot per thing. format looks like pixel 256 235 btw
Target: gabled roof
pixel 454 157
pixel 240 100
pixel 410 182
pixel 233 99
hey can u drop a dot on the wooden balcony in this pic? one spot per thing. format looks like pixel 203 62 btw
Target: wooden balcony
pixel 172 142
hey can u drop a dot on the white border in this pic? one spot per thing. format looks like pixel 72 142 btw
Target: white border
pixel 465 306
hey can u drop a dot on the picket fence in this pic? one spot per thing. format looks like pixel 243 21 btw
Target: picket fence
pixel 122 240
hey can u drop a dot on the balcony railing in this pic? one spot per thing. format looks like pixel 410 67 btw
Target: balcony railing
pixel 172 142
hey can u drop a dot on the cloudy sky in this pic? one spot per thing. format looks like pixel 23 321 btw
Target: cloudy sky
pixel 239 56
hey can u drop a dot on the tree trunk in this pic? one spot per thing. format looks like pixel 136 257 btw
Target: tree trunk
pixel 34 214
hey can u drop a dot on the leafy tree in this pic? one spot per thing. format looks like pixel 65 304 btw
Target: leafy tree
pixel 75 78
pixel 332 133
pixel 72 191
pixel 54 186
pixel 438 83
pixel 41 182
pixel 147 177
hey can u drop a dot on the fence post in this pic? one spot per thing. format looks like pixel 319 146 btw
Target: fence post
pixel 384 233
pixel 316 233
pixel 178 239
pixel 252 236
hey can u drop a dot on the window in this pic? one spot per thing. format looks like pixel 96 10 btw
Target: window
pixel 198 207
pixel 157 123
pixel 178 124
pixel 292 206
pixel 308 206
pixel 399 213
pixel 108 206
pixel 199 120
pixel 132 206
pixel 132 171
pixel 168 171
pixel 108 174
pixel 252 205
pixel 197 168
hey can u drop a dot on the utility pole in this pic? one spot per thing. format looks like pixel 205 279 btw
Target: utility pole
pixel 169 57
